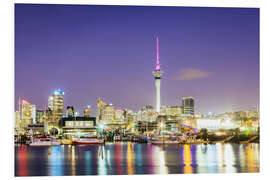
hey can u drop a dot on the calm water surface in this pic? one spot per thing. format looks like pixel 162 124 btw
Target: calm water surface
pixel 129 158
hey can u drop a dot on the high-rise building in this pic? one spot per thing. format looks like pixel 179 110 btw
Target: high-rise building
pixel 100 110
pixel 86 111
pixel 58 104
pixel 108 114
pixel 34 114
pixel 188 105
pixel 50 103
pixel 40 115
pixel 119 115
pixel 70 111
pixel 17 120
pixel 27 117
pixel 105 114
pixel 147 114
pixel 157 74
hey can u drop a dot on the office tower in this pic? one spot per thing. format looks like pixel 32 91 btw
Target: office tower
pixel 108 114
pixel 40 114
pixel 70 111
pixel 100 109
pixel 188 105
pixel 26 116
pixel 86 111
pixel 58 104
pixel 17 120
pixel 50 103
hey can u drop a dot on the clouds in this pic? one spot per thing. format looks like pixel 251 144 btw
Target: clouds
pixel 192 73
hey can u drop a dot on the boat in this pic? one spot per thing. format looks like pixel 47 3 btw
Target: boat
pixel 66 141
pixel 163 140
pixel 44 141
pixel 87 140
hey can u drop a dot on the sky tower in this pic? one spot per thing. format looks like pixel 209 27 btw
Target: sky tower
pixel 157 74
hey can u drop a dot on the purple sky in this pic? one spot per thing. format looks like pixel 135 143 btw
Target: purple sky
pixel 211 54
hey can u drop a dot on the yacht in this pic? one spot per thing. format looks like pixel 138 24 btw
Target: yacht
pixel 87 140
pixel 44 141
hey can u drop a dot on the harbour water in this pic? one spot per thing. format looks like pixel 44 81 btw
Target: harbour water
pixel 131 158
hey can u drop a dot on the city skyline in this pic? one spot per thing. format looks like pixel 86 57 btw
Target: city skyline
pixel 212 58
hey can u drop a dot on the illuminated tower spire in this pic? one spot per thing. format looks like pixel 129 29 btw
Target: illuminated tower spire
pixel 157 74
pixel 157 62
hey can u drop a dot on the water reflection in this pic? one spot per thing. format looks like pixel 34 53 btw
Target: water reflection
pixel 187 158
pixel 101 161
pixel 55 160
pixel 129 158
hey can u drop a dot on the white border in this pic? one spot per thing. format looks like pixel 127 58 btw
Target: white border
pixel 212 3
pixel 7 80
pixel 216 3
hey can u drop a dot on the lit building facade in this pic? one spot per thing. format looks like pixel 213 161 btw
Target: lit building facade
pixel 119 116
pixel 100 110
pixel 147 113
pixel 108 114
pixel 58 104
pixel 188 106
pixel 50 102
pixel 40 115
pixel 171 110
pixel 34 113
pixel 26 116
pixel 209 124
pixel 81 125
pixel 17 120
pixel 86 111
pixel 70 111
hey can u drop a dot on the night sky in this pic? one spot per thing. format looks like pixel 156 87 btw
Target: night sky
pixel 89 52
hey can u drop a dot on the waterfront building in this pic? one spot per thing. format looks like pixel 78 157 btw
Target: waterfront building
pixel 209 124
pixel 36 129
pixel 86 111
pixel 188 106
pixel 77 125
pixel 146 126
pixel 157 75
pixel 70 111
pixel 26 116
